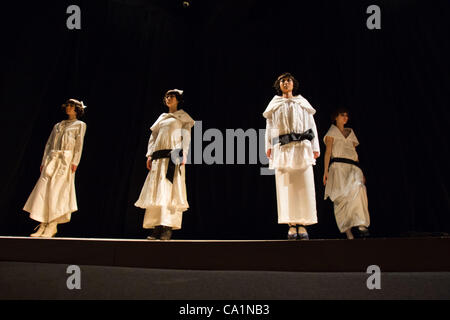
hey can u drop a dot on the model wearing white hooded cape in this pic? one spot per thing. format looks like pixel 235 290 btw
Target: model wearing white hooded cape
pixel 165 201
pixel 293 162
pixel 345 183
pixel 53 198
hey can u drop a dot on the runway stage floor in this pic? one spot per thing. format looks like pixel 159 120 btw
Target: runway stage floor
pixel 429 254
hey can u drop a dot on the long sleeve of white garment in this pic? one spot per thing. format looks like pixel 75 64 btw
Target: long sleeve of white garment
pixel 315 141
pixel 151 143
pixel 79 145
pixel 186 136
pixel 48 144
pixel 268 134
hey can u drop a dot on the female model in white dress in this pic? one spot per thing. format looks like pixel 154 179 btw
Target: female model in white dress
pixel 292 147
pixel 163 195
pixel 53 198
pixel 343 179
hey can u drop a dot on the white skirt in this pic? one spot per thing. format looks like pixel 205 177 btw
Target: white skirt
pixel 162 216
pixel 345 187
pixel 53 198
pixel 296 196
pixel 164 201
pixel 351 210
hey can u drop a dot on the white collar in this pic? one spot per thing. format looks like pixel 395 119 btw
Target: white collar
pixel 278 101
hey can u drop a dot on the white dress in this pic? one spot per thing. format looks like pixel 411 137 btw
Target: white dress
pixel 345 184
pixel 53 197
pixel 293 162
pixel 163 200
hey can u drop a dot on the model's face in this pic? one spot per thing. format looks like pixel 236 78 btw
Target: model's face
pixel 286 85
pixel 171 100
pixel 70 110
pixel 342 118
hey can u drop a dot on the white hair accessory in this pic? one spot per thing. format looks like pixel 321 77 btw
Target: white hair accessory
pixel 82 105
pixel 177 90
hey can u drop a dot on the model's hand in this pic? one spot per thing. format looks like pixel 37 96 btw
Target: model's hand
pixel 325 178
pixel 183 162
pixel 74 168
pixel 269 153
pixel 149 163
pixel 316 154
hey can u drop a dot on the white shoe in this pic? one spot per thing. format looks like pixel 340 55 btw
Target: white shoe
pixel 40 231
pixel 50 231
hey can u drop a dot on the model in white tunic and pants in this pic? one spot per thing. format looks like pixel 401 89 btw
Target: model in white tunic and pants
pixel 292 161
pixel 53 198
pixel 163 200
pixel 344 182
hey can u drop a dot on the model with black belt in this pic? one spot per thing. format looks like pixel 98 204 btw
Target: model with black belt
pixel 163 195
pixel 343 178
pixel 292 147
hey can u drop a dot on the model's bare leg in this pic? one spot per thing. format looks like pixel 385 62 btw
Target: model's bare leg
pixel 349 234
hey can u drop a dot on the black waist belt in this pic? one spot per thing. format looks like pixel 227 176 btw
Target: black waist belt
pixel 173 155
pixel 286 138
pixel 344 160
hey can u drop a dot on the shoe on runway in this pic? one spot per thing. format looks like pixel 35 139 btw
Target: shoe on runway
pixel 40 231
pixel 156 234
pixel 361 232
pixel 292 235
pixel 303 236
pixel 166 233
pixel 50 230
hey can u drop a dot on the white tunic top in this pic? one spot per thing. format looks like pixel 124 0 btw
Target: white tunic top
pixel 287 115
pixel 342 177
pixel 170 131
pixel 67 135
pixel 343 145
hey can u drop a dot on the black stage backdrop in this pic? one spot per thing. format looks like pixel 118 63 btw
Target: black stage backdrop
pixel 226 55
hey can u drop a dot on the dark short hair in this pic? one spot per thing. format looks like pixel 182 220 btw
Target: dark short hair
pixel 78 107
pixel 285 75
pixel 177 95
pixel 339 111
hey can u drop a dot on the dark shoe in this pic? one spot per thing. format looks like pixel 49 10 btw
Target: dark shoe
pixel 166 233
pixel 303 236
pixel 360 233
pixel 292 236
pixel 364 233
pixel 156 234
